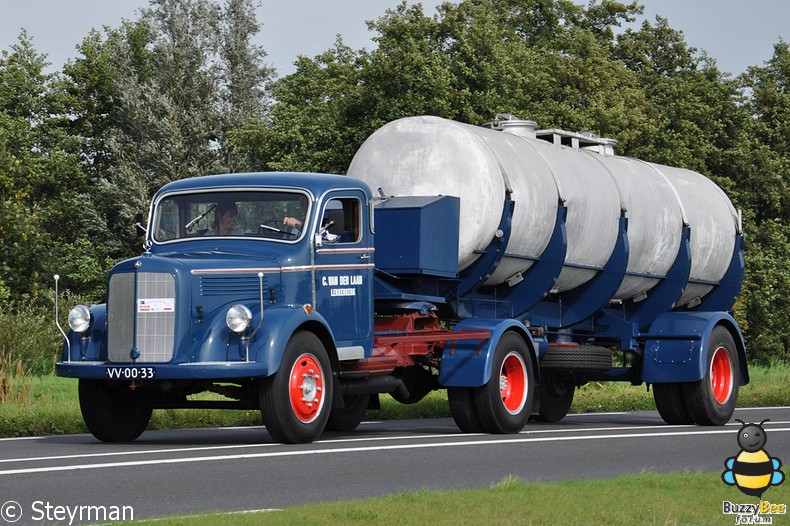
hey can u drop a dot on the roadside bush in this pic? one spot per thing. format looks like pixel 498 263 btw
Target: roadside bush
pixel 30 336
pixel 14 382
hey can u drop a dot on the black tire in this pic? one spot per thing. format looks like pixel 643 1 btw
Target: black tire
pixel 349 417
pixel 296 400
pixel 506 409
pixel 712 400
pixel 671 403
pixel 556 396
pixel 462 407
pixel 111 414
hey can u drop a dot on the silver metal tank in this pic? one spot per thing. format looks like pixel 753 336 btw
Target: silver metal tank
pixel 430 156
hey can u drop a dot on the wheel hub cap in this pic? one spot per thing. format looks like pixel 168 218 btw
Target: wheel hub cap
pixel 306 388
pixel 721 375
pixel 513 383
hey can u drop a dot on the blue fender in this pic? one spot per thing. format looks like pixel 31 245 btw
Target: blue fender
pixel 677 342
pixel 93 348
pixel 468 363
pixel 279 324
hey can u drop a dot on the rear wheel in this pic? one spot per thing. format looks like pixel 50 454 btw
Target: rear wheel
pixel 349 417
pixel 556 396
pixel 671 403
pixel 711 401
pixel 504 403
pixel 111 414
pixel 462 407
pixel 295 401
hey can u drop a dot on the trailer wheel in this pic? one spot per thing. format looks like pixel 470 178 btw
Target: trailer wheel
pixel 349 417
pixel 504 403
pixel 671 403
pixel 110 414
pixel 711 401
pixel 556 396
pixel 295 401
pixel 462 407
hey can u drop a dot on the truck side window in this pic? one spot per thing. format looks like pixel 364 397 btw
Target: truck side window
pixel 341 220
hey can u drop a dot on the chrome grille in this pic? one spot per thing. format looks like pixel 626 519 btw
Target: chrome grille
pixel 120 317
pixel 145 320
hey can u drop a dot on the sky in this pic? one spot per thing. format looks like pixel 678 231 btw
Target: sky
pixel 736 33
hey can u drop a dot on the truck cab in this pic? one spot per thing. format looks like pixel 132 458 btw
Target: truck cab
pixel 209 303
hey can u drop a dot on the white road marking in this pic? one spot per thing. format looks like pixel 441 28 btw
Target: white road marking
pixel 335 441
pixel 274 454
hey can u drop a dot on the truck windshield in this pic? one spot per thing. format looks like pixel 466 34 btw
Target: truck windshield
pixel 272 215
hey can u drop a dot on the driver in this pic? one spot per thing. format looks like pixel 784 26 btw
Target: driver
pixel 225 221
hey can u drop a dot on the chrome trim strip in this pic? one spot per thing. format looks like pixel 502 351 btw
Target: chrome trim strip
pixel 344 267
pixel 200 364
pixel 197 272
pixel 345 250
pixel 303 268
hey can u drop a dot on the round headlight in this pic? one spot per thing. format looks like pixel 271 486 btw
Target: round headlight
pixel 238 318
pixel 80 318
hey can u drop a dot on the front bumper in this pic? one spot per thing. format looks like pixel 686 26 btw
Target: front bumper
pixel 183 371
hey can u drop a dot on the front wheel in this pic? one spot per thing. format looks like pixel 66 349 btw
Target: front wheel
pixel 112 414
pixel 504 403
pixel 711 401
pixel 295 401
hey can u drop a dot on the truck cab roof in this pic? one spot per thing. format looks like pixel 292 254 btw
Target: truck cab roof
pixel 315 184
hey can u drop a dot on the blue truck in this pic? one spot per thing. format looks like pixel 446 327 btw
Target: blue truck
pixel 505 264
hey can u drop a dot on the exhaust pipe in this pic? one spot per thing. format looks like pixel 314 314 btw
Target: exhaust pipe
pixel 375 385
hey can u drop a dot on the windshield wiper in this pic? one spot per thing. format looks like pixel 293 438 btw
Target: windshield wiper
pixel 198 218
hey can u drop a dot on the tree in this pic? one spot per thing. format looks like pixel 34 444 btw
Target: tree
pixel 39 174
pixel 765 188
pixel 469 62
pixel 310 125
pixel 243 70
pixel 155 99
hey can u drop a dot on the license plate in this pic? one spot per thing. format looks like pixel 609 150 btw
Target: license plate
pixel 130 372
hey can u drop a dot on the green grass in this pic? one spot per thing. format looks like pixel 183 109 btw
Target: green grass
pixel 647 498
pixel 768 386
pixel 51 405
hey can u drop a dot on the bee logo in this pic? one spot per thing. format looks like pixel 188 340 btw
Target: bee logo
pixel 752 470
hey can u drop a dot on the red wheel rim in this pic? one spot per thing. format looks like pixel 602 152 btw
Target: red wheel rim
pixel 513 383
pixel 306 388
pixel 721 375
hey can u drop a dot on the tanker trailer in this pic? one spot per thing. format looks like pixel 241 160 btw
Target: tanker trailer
pixel 621 269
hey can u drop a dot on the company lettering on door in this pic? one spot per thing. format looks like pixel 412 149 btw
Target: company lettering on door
pixel 342 285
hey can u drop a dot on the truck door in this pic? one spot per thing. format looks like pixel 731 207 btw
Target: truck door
pixel 344 271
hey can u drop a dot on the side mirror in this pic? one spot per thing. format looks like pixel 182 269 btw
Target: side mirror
pixel 139 226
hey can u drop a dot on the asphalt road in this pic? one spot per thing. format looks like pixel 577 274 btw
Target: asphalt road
pixel 235 469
